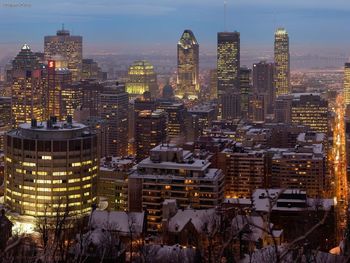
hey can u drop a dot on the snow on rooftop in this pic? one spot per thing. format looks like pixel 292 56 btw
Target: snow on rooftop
pixel 118 221
pixel 197 217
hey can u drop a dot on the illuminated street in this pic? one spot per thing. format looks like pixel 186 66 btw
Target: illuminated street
pixel 339 156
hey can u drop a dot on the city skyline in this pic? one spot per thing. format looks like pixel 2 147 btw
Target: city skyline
pixel 125 27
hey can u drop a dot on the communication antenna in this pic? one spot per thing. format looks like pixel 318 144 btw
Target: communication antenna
pixel 225 11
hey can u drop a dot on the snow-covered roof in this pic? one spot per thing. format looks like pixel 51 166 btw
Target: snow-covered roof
pixel 197 217
pixel 118 221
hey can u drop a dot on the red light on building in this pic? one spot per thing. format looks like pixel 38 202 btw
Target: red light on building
pixel 51 64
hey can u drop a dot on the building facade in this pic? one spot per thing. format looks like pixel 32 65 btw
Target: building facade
pixel 282 62
pixel 150 131
pixel 142 78
pixel 114 103
pixel 51 169
pixel 69 47
pixel 172 173
pixel 27 89
pixel 187 66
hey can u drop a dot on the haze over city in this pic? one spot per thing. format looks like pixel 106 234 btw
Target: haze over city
pixel 129 27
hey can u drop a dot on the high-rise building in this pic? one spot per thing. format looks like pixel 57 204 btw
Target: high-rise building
pixel 176 118
pixel 69 47
pixel 199 118
pixel 228 61
pixel 5 119
pixel 283 105
pixel 213 85
pixel 228 70
pixel 245 170
pixel 347 84
pixel 27 87
pixel 282 62
pixel 142 78
pixel 91 70
pixel 150 131
pixel 187 66
pixel 302 168
pixel 173 173
pixel 263 84
pixel 114 101
pixel 310 110
pixel 91 90
pixel 51 168
pixel 245 87
pixel 59 78
pixel 230 105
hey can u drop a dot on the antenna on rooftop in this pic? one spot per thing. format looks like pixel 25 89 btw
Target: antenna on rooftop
pixel 62 26
pixel 225 11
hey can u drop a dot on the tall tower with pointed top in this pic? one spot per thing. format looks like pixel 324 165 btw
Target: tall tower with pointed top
pixel 27 87
pixel 67 46
pixel 282 62
pixel 187 66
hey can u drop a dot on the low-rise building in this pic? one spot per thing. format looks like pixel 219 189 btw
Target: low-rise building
pixel 173 173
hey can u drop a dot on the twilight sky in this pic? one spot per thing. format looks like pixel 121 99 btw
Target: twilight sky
pixel 125 26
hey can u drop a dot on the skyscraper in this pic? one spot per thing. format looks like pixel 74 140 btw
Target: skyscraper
pixel 228 61
pixel 282 62
pixel 228 69
pixel 67 46
pixel 142 78
pixel 187 66
pixel 263 84
pixel 27 87
pixel 245 86
pixel 114 103
pixel 347 84
pixel 150 131
pixel 59 78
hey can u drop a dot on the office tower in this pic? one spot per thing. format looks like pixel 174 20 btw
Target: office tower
pixel 245 170
pixel 51 167
pixel 283 106
pixel 150 131
pixel 112 182
pixel 257 107
pixel 114 103
pixel 282 62
pixel 136 106
pixel 27 87
pixel 228 61
pixel 141 78
pixel 199 118
pixel 301 168
pixel 228 67
pixel 67 46
pixel 173 173
pixel 346 86
pixel 91 70
pixel 71 97
pixel 245 86
pixel 91 90
pixel 213 85
pixel 230 105
pixel 59 78
pixel 5 119
pixel 176 118
pixel 187 66
pixel 263 84
pixel 310 110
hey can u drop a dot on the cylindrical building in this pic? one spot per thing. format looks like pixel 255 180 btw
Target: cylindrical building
pixel 50 167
